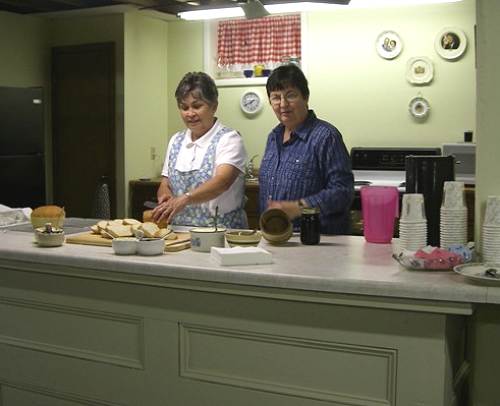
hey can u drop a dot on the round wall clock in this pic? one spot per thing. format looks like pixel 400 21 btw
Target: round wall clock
pixel 251 102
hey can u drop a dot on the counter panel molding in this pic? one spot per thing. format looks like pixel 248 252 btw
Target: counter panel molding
pixel 72 332
pixel 16 395
pixel 313 369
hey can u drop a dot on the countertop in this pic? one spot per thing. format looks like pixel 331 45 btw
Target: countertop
pixel 340 264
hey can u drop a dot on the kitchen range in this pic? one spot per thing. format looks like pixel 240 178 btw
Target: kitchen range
pixel 373 166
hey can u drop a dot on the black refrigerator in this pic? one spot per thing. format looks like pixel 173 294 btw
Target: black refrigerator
pixel 22 158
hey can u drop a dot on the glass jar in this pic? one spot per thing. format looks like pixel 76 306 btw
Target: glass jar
pixel 310 226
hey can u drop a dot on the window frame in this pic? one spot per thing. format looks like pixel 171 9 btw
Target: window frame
pixel 210 51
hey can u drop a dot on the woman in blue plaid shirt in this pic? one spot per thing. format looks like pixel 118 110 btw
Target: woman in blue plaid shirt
pixel 306 163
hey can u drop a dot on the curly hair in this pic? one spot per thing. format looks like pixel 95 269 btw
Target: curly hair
pixel 200 85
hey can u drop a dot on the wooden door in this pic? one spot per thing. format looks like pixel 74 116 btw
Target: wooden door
pixel 83 125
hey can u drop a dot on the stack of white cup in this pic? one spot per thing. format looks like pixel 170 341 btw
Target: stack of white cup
pixel 491 230
pixel 453 223
pixel 413 223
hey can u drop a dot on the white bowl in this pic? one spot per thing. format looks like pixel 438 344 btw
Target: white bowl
pixel 124 245
pixel 204 238
pixel 52 239
pixel 151 246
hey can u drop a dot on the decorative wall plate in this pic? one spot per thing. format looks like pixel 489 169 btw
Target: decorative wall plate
pixel 450 43
pixel 419 70
pixel 419 108
pixel 389 45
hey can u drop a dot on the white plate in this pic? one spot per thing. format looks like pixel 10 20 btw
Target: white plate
pixel 419 108
pixel 389 45
pixel 419 70
pixel 476 272
pixel 450 43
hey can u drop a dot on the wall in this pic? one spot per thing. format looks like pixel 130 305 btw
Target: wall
pixel 488 89
pixel 185 50
pixel 24 62
pixel 23 50
pixel 146 95
pixel 94 29
pixel 365 96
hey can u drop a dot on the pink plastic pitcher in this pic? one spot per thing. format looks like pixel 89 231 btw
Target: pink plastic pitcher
pixel 379 207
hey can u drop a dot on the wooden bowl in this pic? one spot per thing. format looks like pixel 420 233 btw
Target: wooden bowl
pixel 243 238
pixel 275 226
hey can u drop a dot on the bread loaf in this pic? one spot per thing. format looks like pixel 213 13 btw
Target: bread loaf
pixel 150 229
pixel 131 222
pixel 147 217
pixel 119 231
pixel 54 215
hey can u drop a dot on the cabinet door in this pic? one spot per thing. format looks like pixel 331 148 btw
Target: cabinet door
pixel 140 192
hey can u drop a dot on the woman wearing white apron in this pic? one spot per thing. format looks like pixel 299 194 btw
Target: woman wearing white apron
pixel 205 163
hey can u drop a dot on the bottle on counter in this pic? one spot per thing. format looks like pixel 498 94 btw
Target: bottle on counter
pixel 310 226
pixel 102 203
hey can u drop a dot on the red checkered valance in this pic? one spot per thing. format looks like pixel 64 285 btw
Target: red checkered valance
pixel 268 40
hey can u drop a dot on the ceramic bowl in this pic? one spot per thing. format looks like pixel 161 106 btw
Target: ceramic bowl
pixel 150 246
pixel 204 238
pixel 243 238
pixel 266 72
pixel 248 73
pixel 52 239
pixel 124 245
pixel 275 226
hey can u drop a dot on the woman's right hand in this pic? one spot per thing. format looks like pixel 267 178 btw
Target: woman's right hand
pixel 167 209
pixel 160 208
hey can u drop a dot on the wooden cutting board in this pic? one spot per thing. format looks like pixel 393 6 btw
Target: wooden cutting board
pixel 182 241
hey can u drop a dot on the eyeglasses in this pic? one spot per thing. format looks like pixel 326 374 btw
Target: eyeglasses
pixel 290 98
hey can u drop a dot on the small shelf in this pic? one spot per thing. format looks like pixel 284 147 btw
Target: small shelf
pixel 233 82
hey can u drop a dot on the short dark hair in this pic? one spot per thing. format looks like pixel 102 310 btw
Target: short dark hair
pixel 200 85
pixel 289 75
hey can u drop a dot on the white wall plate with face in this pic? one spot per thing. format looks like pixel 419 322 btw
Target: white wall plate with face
pixel 251 102
pixel 450 43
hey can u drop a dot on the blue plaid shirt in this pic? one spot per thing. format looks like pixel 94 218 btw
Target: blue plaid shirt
pixel 313 165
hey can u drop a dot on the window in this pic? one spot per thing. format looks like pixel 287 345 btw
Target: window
pixel 234 45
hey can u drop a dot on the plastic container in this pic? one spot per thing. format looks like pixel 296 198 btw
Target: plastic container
pixel 379 207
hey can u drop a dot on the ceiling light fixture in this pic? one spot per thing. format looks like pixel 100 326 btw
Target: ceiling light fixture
pixel 298 7
pixel 254 9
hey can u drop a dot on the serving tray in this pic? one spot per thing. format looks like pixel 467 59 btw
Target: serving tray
pixel 183 240
pixel 476 272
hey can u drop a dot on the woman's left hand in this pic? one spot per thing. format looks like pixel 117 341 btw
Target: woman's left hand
pixel 167 210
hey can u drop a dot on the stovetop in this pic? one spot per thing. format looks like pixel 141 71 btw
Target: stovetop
pixel 379 178
pixel 383 166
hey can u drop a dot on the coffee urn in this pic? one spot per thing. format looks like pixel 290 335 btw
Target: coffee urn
pixel 426 175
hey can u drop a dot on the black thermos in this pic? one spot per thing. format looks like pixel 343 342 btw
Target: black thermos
pixel 426 175
pixel 310 226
